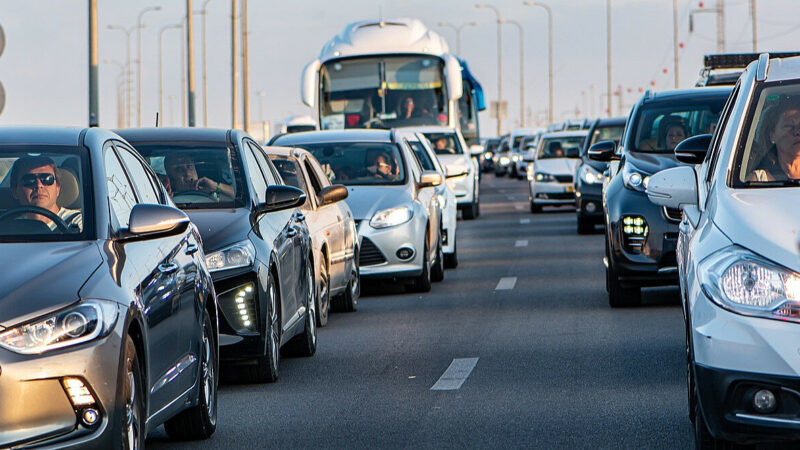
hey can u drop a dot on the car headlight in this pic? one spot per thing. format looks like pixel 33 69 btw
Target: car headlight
pixel 590 176
pixel 82 322
pixel 391 217
pixel 240 254
pixel 515 158
pixel 530 171
pixel 743 282
pixel 504 160
pixel 634 179
pixel 542 176
pixel 488 155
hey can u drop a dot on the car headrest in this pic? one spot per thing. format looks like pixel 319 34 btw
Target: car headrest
pixel 70 191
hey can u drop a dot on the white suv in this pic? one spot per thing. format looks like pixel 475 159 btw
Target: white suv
pixel 738 261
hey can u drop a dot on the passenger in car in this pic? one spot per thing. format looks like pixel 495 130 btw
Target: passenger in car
pixel 780 134
pixel 441 146
pixel 182 174
pixel 383 166
pixel 35 182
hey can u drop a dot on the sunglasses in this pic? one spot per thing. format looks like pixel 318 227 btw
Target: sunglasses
pixel 29 179
pixel 382 165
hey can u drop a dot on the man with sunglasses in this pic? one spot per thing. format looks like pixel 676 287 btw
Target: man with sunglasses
pixel 34 182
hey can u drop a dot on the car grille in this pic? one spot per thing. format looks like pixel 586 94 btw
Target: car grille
pixel 563 178
pixel 369 255
pixel 672 214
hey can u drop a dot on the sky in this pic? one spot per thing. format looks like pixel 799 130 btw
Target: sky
pixel 44 66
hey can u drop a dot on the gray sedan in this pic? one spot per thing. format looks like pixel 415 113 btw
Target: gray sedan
pixel 108 318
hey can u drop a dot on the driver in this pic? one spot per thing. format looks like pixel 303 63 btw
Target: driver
pixel 182 176
pixel 382 167
pixel 34 182
pixel 441 146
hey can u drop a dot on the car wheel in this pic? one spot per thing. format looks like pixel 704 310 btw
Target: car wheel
pixel 451 260
pixel 266 367
pixel 323 295
pixel 200 421
pixel 305 343
pixel 423 282
pixel 535 209
pixel 618 296
pixel 585 226
pixel 348 301
pixel 132 411
pixel 437 271
pixel 470 212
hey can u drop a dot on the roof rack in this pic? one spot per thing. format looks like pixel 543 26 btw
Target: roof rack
pixel 738 60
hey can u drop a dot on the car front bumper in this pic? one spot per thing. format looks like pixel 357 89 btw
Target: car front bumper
pixel 589 201
pixel 551 193
pixel 378 251
pixel 239 342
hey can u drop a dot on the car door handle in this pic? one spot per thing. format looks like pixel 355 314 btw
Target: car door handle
pixel 191 249
pixel 168 268
pixel 300 217
pixel 292 232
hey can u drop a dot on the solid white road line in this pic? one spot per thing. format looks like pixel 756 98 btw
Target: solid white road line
pixel 522 243
pixel 506 283
pixel 455 375
pixel 524 221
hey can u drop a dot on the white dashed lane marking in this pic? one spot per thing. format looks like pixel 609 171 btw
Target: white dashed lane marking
pixel 524 221
pixel 522 243
pixel 455 375
pixel 506 283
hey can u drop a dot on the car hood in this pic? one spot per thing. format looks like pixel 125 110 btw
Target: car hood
pixel 556 166
pixel 651 163
pixel 365 201
pixel 38 278
pixel 761 221
pixel 221 227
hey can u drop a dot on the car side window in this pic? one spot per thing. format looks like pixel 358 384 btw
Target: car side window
pixel 142 181
pixel 312 178
pixel 713 155
pixel 256 176
pixel 266 166
pixel 121 195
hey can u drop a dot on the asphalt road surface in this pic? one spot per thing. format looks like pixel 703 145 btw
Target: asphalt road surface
pixel 517 347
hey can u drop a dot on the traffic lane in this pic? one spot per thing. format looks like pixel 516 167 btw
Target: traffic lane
pixel 551 353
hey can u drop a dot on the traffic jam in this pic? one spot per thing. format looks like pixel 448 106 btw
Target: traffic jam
pixel 335 284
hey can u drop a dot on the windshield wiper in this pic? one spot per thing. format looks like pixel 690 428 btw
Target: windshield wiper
pixel 777 183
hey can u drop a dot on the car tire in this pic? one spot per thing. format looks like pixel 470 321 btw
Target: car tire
pixel 470 212
pixel 348 301
pixel 451 260
pixel 132 414
pixel 423 282
pixel 200 421
pixel 305 343
pixel 437 270
pixel 535 209
pixel 618 296
pixel 266 367
pixel 323 297
pixel 585 226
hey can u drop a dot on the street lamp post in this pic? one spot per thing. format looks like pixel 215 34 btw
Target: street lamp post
pixel 608 53
pixel 139 26
pixel 127 32
pixel 245 69
pixel 190 61
pixel 94 113
pixel 499 67
pixel 675 39
pixel 521 70
pixel 458 29
pixel 204 12
pixel 549 54
pixel 160 68
pixel 234 72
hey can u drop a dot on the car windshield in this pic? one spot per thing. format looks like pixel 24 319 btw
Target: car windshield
pixel 492 144
pixel 660 127
pixel 360 163
pixel 289 170
pixel 770 156
pixel 45 194
pixel 445 143
pixel 608 133
pixel 560 147
pixel 197 176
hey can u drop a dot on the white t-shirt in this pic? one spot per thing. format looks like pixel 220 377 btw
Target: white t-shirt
pixel 72 217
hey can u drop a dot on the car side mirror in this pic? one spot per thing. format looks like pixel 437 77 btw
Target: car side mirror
pixel 429 178
pixel 603 151
pixel 673 188
pixel 332 194
pixel 693 150
pixel 150 221
pixel 280 197
pixel 475 150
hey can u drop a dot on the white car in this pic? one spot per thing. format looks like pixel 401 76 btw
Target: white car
pixel 457 159
pixel 738 261
pixel 550 176
pixel 518 138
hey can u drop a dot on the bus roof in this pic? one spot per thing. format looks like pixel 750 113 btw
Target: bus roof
pixel 385 36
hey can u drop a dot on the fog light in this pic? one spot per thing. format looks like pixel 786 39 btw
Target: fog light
pixel 90 417
pixel 78 393
pixel 764 401
pixel 591 207
pixel 405 253
pixel 238 305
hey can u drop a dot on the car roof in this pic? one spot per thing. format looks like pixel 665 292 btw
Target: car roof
pixel 611 121
pixel 783 69
pixel 427 129
pixel 216 135
pixel 348 135
pixel 68 136
pixel 564 134
pixel 288 152
pixel 696 93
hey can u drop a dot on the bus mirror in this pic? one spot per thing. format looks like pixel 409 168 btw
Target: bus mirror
pixel 308 84
pixel 452 71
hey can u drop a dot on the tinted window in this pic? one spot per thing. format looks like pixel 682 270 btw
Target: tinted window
pixel 121 196
pixel 289 171
pixel 262 161
pixel 360 163
pixel 611 133
pixel 422 156
pixel 560 147
pixel 256 177
pixel 661 126
pixel 139 177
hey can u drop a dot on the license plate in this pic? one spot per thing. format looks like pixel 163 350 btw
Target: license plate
pixel 570 188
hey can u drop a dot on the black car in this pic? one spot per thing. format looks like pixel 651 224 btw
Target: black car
pixel 590 174
pixel 641 236
pixel 487 161
pixel 502 157
pixel 257 244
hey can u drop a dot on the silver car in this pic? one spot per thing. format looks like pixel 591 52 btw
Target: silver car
pixel 393 200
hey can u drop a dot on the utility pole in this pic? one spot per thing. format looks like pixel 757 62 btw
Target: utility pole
pixel 184 90
pixel 204 12
pixel 521 71
pixel 190 60
pixel 94 111
pixel 720 12
pixel 499 68
pixel 139 26
pixel 458 29
pixel 675 38
pixel 755 27
pixel 234 71
pixel 161 70
pixel 245 71
pixel 549 55
pixel 128 98
pixel 608 52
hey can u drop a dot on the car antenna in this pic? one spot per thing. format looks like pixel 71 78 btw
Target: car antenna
pixel 156 119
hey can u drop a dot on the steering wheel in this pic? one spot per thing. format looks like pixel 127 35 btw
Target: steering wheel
pixel 61 225
pixel 193 193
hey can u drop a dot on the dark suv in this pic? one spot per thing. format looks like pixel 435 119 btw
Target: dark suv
pixel 641 236
pixel 590 174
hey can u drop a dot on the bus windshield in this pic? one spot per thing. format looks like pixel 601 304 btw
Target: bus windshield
pixel 383 92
